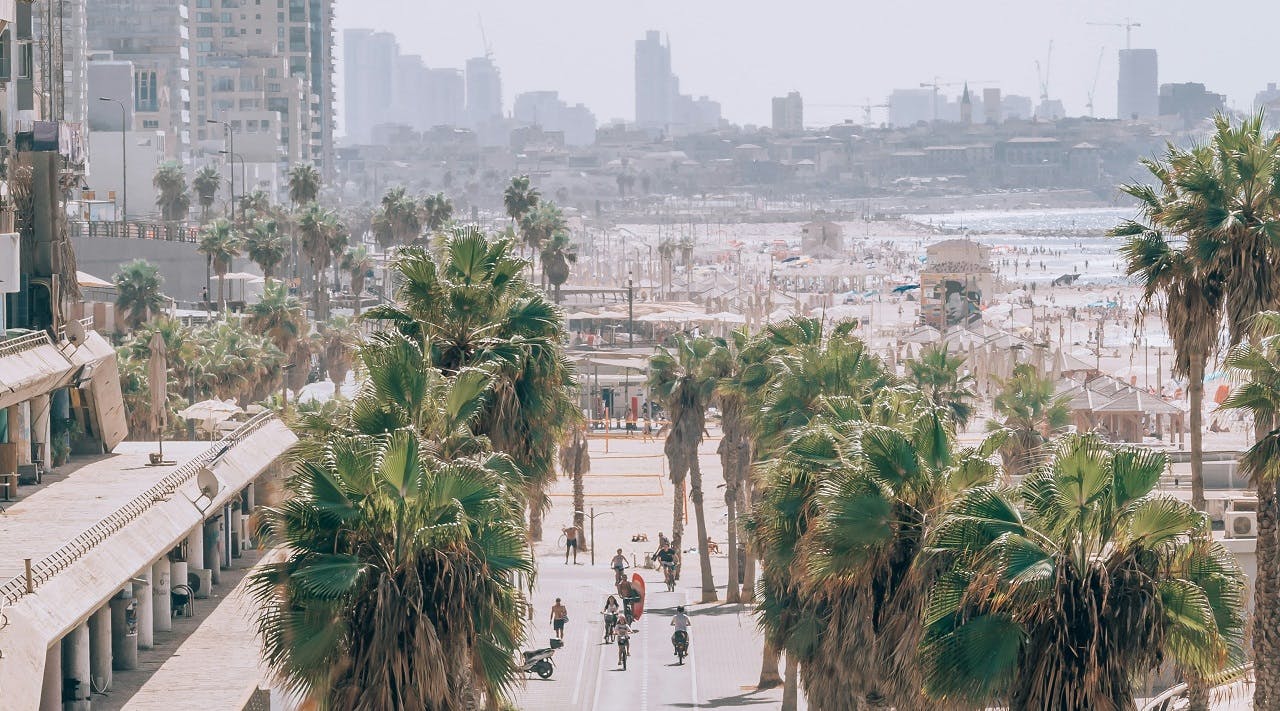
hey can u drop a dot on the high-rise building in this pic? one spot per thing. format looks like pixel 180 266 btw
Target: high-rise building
pixel 908 107
pixel 656 86
pixel 446 97
pixel 1189 101
pixel 1139 85
pixel 152 34
pixel 484 91
pixel 991 104
pixel 368 64
pixel 287 59
pixel 546 110
pixel 788 113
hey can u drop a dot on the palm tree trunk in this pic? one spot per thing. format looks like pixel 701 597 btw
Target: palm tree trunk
pixel 733 593
pixel 579 505
pixel 769 676
pixel 222 302
pixel 1195 392
pixel 790 690
pixel 1266 617
pixel 1197 694
pixel 535 522
pixel 704 555
pixel 677 513
pixel 749 574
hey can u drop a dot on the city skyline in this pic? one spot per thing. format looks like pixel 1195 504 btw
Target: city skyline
pixel 818 50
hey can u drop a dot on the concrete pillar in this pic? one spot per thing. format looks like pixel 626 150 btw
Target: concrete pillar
pixel 20 431
pixel 163 610
pixel 100 647
pixel 195 547
pixel 212 547
pixel 144 610
pixel 51 689
pixel 237 526
pixel 75 669
pixel 177 575
pixel 226 536
pixel 125 613
pixel 40 426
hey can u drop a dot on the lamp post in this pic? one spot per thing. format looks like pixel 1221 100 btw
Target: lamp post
pixel 592 517
pixel 631 312
pixel 124 161
pixel 244 186
pixel 231 137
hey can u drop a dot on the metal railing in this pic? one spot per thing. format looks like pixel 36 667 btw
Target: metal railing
pixel 42 571
pixel 25 342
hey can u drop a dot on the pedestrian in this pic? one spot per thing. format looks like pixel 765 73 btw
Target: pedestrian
pixel 559 616
pixel 571 543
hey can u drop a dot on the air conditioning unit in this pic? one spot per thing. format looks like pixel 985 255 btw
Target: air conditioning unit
pixel 1241 524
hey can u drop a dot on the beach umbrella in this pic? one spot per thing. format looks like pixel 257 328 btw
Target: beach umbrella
pixel 158 383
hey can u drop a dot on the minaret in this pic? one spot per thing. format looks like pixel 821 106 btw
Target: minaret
pixel 966 106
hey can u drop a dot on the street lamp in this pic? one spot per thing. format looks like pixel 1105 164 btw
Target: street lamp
pixel 231 136
pixel 631 312
pixel 592 516
pixel 124 161
pixel 244 186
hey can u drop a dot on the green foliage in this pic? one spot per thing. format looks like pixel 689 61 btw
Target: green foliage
pixel 936 374
pixel 207 183
pixel 1031 414
pixel 304 184
pixel 172 195
pixel 138 293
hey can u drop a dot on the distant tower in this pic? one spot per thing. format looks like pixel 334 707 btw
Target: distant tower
pixel 1139 91
pixel 966 106
pixel 991 105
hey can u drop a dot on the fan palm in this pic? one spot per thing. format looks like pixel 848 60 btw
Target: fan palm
pixel 1060 600
pixel 1032 414
pixel 138 293
pixel 220 243
pixel 206 184
pixel 519 198
pixel 575 461
pixel 341 336
pixel 682 383
pixel 358 264
pixel 304 184
pixel 172 196
pixel 437 210
pixel 278 316
pixel 266 247
pixel 557 255
pixel 470 307
pixel 937 374
pixel 540 224
pixel 397 220
pixel 319 228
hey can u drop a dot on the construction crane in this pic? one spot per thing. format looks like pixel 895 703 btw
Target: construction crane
pixel 1128 26
pixel 935 85
pixel 488 50
pixel 1043 76
pixel 1094 86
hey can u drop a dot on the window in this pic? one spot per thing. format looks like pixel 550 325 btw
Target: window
pixel 204 32
pixel 266 125
pixel 204 17
pixel 204 3
pixel 204 47
pixel 224 84
pixel 4 55
pixel 26 61
pixel 150 123
pixel 257 31
pixel 146 93
pixel 225 18
pixel 273 87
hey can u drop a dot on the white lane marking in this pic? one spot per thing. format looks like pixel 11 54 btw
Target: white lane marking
pixel 644 679
pixel 582 663
pixel 693 665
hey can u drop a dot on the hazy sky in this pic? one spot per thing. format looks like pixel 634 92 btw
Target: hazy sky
pixel 742 52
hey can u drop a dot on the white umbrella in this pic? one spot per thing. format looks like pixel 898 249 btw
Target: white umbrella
pixel 206 410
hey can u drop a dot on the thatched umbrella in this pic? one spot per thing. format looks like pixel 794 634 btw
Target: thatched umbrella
pixel 158 383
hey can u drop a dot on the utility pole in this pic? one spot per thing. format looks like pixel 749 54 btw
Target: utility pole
pixel 631 312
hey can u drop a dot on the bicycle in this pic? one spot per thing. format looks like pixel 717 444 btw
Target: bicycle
pixel 624 650
pixel 669 576
pixel 610 620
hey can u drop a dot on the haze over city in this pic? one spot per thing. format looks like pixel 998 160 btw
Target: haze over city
pixel 741 53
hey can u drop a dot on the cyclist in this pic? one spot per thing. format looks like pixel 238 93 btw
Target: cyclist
pixel 681 635
pixel 611 609
pixel 623 632
pixel 667 559
pixel 618 563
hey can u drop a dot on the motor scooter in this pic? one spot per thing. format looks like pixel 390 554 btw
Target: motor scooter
pixel 539 661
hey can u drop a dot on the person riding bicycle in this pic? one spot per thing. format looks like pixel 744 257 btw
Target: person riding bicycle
pixel 622 631
pixel 611 609
pixel 667 561
pixel 681 623
pixel 618 563
pixel 629 596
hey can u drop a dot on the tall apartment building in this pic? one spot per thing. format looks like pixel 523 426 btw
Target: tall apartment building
pixel 788 113
pixel 484 91
pixel 369 65
pixel 153 35
pixel 546 110
pixel 656 86
pixel 252 56
pixel 1138 87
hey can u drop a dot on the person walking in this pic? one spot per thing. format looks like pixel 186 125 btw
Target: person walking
pixel 559 616
pixel 571 544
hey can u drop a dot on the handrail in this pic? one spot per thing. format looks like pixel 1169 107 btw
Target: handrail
pixel 25 342
pixel 1224 678
pixel 61 559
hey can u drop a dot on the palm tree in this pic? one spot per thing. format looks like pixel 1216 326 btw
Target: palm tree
pixel 557 255
pixel 937 375
pixel 357 263
pixel 1031 414
pixel 575 460
pixel 682 384
pixel 318 228
pixel 519 198
pixel 1089 580
pixel 398 590
pixel 341 335
pixel 304 184
pixel 740 373
pixel 266 247
pixel 397 220
pixel 172 197
pixel 470 307
pixel 437 210
pixel 206 184
pixel 220 243
pixel 540 224
pixel 138 292
pixel 278 316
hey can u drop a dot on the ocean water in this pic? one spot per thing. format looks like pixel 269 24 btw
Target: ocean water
pixel 1065 220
